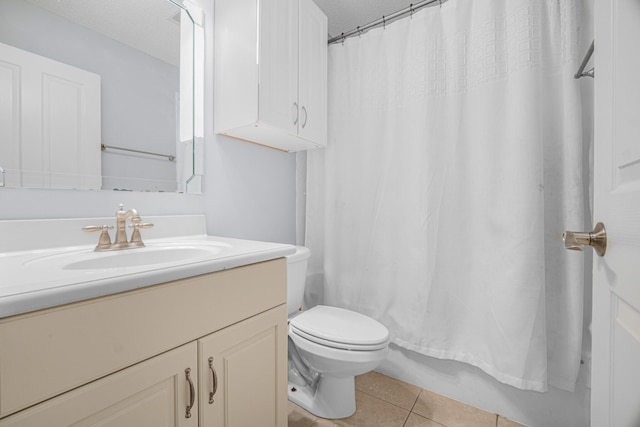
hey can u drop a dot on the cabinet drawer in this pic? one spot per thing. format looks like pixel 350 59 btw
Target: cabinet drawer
pixel 45 353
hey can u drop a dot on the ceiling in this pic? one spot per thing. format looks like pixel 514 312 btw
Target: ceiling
pixel 346 15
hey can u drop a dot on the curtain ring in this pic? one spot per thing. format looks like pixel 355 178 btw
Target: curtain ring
pixel 359 31
pixel 440 1
pixel 411 10
pixel 384 23
pixel 343 39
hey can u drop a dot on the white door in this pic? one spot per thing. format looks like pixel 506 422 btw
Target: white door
pixel 615 399
pixel 49 122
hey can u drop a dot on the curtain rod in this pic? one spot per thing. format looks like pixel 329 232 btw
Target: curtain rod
pixel 383 21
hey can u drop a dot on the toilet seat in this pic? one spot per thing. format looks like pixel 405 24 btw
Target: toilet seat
pixel 340 328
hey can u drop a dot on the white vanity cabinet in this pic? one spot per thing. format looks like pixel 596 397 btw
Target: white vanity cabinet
pixel 140 358
pixel 271 72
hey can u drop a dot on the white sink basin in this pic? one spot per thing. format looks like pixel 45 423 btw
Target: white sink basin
pixel 158 253
pixel 150 256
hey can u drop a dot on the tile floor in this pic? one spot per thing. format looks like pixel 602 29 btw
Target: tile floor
pixel 382 401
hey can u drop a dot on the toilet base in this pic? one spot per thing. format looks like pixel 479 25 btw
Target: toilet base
pixel 332 397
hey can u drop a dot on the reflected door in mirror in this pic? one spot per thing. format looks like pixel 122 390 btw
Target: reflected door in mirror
pixel 49 122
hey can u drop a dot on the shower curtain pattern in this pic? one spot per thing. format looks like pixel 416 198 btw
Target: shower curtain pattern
pixel 491 51
pixel 454 160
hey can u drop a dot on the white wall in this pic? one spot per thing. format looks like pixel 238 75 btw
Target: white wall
pixel 249 190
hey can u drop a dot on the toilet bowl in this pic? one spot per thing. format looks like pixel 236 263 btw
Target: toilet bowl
pixel 328 347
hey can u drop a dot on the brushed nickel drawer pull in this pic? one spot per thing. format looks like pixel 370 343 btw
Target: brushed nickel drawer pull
pixel 192 393
pixel 214 380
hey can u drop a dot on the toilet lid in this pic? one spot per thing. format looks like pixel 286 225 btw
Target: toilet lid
pixel 340 328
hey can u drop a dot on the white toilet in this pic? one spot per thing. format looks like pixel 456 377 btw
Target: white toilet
pixel 328 347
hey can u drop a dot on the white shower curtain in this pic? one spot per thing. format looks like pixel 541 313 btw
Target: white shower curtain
pixel 454 163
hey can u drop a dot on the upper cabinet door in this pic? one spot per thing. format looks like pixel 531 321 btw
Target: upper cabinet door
pixel 313 73
pixel 271 73
pixel 278 64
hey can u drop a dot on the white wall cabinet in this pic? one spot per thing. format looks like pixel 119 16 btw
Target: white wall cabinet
pixel 121 360
pixel 271 72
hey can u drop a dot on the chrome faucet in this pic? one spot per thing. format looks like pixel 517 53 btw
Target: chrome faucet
pixel 121 242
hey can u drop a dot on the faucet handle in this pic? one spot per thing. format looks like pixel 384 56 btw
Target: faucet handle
pixel 137 224
pixel 104 241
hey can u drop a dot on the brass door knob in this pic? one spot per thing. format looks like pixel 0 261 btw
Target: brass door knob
pixel 576 240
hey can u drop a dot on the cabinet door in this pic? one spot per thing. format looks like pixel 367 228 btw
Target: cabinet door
pixel 245 367
pixel 313 73
pixel 152 393
pixel 278 63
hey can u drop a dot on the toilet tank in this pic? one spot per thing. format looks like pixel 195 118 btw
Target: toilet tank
pixel 296 278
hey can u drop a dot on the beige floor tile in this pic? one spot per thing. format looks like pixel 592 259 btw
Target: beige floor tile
pixel 370 412
pixel 298 417
pixel 388 389
pixel 450 412
pixel 505 422
pixel 416 420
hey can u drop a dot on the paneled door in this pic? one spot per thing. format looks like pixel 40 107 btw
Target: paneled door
pixel 49 122
pixel 615 400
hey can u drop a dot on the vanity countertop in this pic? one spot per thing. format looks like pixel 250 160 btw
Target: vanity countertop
pixel 44 276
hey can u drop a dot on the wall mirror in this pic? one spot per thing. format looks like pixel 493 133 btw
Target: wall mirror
pixel 99 94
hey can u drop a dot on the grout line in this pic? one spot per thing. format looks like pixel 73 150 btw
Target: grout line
pixel 386 401
pixel 416 399
pixel 406 419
